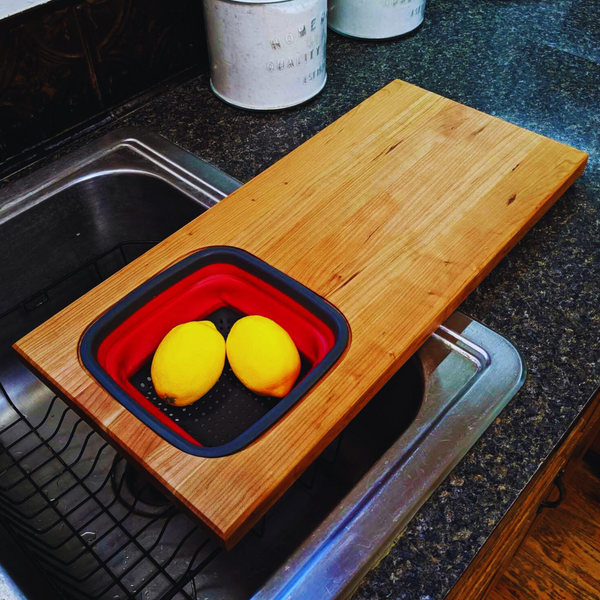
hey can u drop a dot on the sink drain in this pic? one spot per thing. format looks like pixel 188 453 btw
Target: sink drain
pixel 135 492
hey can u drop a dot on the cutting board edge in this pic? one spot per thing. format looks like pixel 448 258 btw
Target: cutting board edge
pixel 556 193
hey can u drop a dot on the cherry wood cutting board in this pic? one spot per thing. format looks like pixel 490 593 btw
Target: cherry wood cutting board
pixel 393 213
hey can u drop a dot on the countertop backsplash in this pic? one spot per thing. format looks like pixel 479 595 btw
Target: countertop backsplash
pixel 68 66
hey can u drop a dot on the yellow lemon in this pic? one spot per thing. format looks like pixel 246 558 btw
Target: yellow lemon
pixel 263 356
pixel 188 362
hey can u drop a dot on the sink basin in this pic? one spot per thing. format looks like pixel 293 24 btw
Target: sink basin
pixel 92 524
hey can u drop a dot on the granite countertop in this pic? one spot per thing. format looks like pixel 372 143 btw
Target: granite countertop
pixel 536 64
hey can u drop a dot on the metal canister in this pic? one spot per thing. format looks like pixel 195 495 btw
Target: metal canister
pixel 268 54
pixel 375 19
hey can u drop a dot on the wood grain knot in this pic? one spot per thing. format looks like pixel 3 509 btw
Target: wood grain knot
pixel 392 148
pixel 478 131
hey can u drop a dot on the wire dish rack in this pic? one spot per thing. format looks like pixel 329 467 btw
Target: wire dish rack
pixel 85 516
pixel 82 513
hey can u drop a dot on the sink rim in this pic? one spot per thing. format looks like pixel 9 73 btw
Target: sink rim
pixel 340 552
pixel 156 157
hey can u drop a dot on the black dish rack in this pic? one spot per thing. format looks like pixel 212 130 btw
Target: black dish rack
pixel 86 519
pixel 76 507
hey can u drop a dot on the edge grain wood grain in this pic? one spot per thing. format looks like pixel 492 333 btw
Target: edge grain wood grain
pixel 393 213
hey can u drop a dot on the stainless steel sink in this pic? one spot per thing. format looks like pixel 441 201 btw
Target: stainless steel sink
pixel 92 524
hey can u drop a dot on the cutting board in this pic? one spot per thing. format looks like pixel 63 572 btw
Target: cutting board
pixel 393 213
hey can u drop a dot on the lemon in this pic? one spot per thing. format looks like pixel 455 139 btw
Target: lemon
pixel 188 362
pixel 263 356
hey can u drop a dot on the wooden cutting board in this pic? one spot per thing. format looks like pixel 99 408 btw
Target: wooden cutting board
pixel 394 213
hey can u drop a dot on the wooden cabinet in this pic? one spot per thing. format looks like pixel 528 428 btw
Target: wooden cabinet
pixel 498 551
pixel 595 445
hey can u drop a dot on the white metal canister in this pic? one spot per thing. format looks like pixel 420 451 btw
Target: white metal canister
pixel 375 19
pixel 266 55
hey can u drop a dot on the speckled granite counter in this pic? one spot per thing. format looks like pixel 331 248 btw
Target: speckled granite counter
pixel 536 64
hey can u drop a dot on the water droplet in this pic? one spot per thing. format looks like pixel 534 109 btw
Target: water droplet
pixel 88 536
